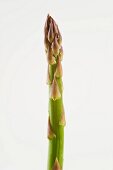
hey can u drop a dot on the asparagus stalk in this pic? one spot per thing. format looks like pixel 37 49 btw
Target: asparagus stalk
pixel 56 117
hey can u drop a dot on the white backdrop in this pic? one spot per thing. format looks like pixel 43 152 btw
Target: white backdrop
pixel 87 30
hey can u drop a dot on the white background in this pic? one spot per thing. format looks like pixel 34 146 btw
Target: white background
pixel 87 30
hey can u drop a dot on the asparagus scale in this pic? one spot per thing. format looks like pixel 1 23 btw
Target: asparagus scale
pixel 56 114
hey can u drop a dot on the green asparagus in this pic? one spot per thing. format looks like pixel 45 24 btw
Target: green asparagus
pixel 56 117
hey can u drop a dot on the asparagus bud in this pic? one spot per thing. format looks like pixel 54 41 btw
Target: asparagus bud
pixel 56 118
pixel 56 165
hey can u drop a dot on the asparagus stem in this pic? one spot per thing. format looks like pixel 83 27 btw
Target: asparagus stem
pixel 56 117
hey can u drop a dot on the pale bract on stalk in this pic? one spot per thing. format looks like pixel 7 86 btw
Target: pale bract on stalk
pixel 56 114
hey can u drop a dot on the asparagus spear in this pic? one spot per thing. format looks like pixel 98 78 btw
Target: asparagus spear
pixel 56 117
